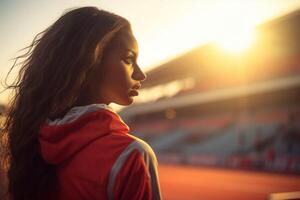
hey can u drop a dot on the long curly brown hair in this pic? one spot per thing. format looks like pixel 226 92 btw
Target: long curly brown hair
pixel 52 77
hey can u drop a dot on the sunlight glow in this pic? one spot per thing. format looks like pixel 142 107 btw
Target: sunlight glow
pixel 230 24
pixel 233 26
pixel 236 41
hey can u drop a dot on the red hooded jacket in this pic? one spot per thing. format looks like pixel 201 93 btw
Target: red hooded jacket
pixel 97 158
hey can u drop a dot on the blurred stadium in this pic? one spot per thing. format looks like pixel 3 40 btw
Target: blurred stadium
pixel 209 111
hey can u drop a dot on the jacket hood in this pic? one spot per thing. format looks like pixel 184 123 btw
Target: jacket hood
pixel 62 138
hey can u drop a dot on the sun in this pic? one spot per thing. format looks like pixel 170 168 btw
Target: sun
pixel 235 40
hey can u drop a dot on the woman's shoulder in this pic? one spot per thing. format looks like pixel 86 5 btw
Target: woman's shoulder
pixel 140 144
pixel 137 144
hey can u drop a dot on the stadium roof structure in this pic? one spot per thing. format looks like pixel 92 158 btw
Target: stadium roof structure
pixel 279 36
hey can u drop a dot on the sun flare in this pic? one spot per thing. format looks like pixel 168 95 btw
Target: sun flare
pixel 236 41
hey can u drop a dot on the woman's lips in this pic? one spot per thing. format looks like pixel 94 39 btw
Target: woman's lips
pixel 133 93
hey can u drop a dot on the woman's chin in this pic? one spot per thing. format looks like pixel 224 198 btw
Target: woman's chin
pixel 125 102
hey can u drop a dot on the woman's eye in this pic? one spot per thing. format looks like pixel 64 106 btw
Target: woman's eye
pixel 129 60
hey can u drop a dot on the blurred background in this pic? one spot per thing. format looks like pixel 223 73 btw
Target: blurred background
pixel 220 105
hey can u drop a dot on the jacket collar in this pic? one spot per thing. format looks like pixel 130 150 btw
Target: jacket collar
pixel 75 112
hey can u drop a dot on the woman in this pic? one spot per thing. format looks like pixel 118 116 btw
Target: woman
pixel 64 141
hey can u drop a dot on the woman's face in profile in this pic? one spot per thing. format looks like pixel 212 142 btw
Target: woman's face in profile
pixel 121 74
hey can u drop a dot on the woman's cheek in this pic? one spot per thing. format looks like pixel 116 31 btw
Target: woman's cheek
pixel 127 76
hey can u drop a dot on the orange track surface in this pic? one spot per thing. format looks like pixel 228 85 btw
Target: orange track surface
pixel 193 183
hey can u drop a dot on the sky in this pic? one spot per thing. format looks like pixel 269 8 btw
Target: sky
pixel 164 29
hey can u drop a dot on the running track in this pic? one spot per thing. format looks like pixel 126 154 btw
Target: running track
pixel 197 183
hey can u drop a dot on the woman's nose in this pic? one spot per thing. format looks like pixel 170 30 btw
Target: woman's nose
pixel 139 74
